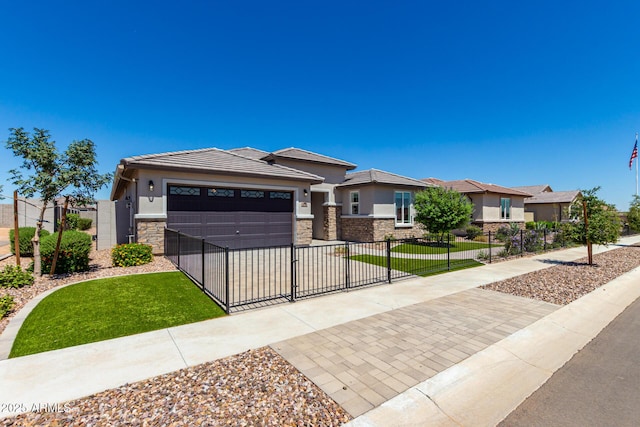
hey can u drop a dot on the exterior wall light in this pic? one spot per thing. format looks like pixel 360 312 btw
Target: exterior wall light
pixel 151 186
pixel 306 193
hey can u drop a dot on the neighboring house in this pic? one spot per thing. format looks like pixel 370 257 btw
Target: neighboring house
pixel 250 198
pixel 546 204
pixel 493 205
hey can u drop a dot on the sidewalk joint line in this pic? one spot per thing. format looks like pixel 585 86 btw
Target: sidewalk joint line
pixel 186 365
pixel 437 406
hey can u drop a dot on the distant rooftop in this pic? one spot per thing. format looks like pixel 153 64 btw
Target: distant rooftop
pixel 553 197
pixel 534 189
pixel 470 186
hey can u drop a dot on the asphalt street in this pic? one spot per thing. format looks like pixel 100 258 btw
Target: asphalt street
pixel 599 386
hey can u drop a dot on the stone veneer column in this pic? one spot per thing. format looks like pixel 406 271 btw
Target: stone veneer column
pixel 332 223
pixel 304 231
pixel 151 232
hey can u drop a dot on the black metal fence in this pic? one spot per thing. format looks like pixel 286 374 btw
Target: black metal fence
pixel 239 279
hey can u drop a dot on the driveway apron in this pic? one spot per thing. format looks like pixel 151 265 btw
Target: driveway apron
pixel 365 362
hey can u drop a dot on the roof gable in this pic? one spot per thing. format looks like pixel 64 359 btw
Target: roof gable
pixel 252 153
pixel 375 176
pixel 307 156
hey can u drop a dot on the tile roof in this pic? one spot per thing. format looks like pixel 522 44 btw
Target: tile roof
pixel 469 186
pixel 553 197
pixel 209 160
pixel 375 176
pixel 534 189
pixel 307 156
pixel 433 181
pixel 250 152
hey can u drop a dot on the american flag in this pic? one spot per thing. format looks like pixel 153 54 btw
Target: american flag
pixel 634 154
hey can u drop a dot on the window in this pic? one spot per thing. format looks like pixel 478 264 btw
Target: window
pixel 505 208
pixel 354 198
pixel 220 192
pixel 252 194
pixel 184 191
pixel 403 207
pixel 280 195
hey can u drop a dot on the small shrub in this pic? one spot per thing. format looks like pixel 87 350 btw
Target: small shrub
pixel 131 254
pixel 71 222
pixel 437 237
pixel 84 223
pixel 74 252
pixel 6 304
pixel 390 237
pixel 530 225
pixel 26 235
pixel 483 255
pixel 473 231
pixel 14 277
pixel 481 238
pixel 533 240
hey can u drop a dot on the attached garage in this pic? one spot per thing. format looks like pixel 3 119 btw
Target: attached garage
pixel 232 217
pixel 234 200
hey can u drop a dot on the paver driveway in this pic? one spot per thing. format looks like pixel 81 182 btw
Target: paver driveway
pixel 365 362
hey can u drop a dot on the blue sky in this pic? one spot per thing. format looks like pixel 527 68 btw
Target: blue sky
pixel 512 93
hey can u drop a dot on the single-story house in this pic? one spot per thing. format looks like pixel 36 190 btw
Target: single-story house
pixel 546 204
pixel 247 197
pixel 493 205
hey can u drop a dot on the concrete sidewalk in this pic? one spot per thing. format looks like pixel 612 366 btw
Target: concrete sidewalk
pixel 75 372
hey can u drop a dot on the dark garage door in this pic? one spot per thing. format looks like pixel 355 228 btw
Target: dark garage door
pixel 237 218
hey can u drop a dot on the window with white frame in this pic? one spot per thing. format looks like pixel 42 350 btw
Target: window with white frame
pixel 505 208
pixel 354 199
pixel 403 207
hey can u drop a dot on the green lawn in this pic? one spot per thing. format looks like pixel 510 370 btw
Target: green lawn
pixel 113 307
pixel 419 267
pixel 436 248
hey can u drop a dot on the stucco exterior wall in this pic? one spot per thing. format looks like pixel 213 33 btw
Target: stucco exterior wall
pixel 548 211
pixel 376 200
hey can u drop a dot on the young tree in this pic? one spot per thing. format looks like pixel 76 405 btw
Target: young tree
pixel 441 210
pixel 633 217
pixel 49 174
pixel 602 224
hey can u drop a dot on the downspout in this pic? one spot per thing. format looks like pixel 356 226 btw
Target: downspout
pixel 136 212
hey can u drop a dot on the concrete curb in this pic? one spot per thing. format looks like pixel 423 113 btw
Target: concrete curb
pixel 485 388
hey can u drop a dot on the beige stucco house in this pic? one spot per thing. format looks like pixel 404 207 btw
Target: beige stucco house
pixel 546 204
pixel 493 205
pixel 251 198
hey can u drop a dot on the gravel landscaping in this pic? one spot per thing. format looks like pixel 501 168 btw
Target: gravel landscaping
pixel 254 388
pixel 258 387
pixel 566 282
